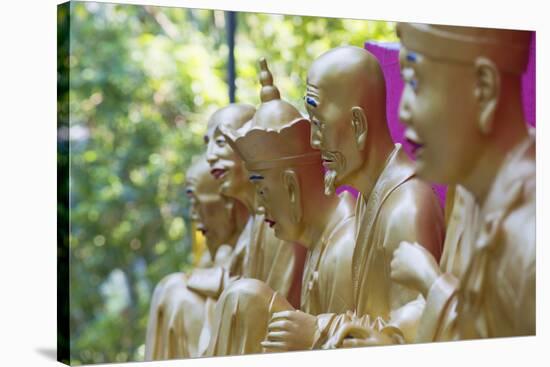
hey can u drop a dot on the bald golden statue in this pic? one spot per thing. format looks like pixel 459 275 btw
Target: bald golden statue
pixel 463 89
pixel 346 102
pixel 250 316
pixel 180 308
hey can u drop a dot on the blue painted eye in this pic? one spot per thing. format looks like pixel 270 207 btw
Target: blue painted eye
pixel 310 101
pixel 414 84
pixel 411 56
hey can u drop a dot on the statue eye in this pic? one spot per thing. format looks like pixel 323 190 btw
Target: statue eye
pixel 220 142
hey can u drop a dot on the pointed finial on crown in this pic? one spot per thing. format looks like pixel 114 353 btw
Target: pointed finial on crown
pixel 269 92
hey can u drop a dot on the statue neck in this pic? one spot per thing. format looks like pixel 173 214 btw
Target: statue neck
pixel 509 130
pixel 246 195
pixel 376 152
pixel 318 212
pixel 240 215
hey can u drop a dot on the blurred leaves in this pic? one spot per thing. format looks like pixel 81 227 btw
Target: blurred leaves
pixel 143 82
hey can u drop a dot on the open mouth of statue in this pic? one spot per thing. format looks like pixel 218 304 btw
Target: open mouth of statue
pixel 218 173
pixel 270 222
pixel 328 162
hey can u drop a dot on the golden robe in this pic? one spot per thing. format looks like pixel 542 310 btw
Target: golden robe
pixel 183 304
pixel 399 208
pixel 244 309
pixel 495 296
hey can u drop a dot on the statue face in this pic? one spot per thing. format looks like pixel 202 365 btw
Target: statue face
pixel 275 197
pixel 440 109
pixel 332 133
pixel 225 164
pixel 213 215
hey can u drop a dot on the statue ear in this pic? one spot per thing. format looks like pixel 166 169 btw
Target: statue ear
pixel 487 93
pixel 292 185
pixel 360 126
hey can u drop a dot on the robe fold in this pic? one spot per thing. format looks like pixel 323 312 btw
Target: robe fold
pixel 400 207
pixel 495 297
pixel 245 307
pixel 181 311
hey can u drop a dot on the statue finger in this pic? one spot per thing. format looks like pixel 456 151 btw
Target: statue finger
pixel 279 325
pixel 277 336
pixel 269 346
pixel 281 315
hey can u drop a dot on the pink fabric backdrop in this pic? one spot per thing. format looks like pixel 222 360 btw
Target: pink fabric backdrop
pixel 388 56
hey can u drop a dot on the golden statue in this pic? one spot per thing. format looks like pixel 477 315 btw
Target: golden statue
pixel 493 294
pixel 250 316
pixel 346 102
pixel 178 310
pixel 258 253
pixel 182 306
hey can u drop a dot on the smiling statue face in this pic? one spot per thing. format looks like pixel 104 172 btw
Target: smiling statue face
pixel 438 106
pixel 225 165
pixel 275 197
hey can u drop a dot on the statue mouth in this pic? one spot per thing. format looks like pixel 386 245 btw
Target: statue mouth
pixel 329 162
pixel 218 173
pixel 270 222
pixel 413 141
pixel 202 230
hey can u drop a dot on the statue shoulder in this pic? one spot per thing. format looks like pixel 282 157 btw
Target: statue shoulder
pixel 413 213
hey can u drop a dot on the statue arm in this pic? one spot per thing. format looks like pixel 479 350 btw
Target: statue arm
pixel 415 217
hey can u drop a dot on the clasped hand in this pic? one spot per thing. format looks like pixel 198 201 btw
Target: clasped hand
pixel 290 330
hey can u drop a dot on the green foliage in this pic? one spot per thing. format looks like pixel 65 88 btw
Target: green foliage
pixel 143 82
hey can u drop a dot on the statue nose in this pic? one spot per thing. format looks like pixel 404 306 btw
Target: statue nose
pixel 405 113
pixel 315 139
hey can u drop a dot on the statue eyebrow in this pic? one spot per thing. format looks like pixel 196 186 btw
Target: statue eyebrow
pixel 256 177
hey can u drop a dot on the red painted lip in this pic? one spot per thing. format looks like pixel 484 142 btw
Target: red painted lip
pixel 327 162
pixel 218 173
pixel 413 140
pixel 414 145
pixel 270 222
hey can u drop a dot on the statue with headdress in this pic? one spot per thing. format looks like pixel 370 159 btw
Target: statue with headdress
pixel 251 317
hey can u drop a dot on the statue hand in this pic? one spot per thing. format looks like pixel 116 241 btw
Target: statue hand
pixel 290 330
pixel 414 267
pixel 353 335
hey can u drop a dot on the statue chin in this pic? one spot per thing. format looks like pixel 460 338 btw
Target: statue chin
pixel 330 182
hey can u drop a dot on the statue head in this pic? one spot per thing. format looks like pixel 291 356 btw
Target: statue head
pixel 213 213
pixel 225 165
pixel 283 166
pixel 346 102
pixel 456 82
